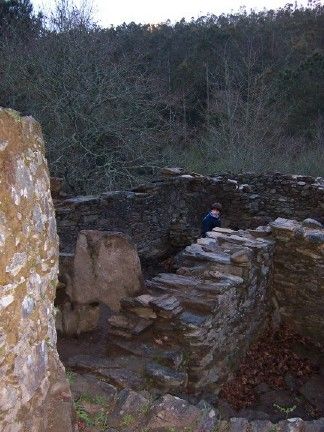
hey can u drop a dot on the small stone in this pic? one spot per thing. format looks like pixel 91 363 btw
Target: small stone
pixel 166 171
pixel 284 225
pixel 316 237
pixel 311 223
pixel 245 188
pixel 3 144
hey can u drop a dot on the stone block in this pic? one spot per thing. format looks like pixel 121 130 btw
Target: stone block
pixel 106 268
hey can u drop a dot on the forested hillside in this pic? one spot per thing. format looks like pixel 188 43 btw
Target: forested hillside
pixel 241 92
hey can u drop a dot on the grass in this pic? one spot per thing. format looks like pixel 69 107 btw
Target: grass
pixel 144 409
pixel 285 410
pixel 82 414
pixel 98 400
pixel 127 420
pixel 99 419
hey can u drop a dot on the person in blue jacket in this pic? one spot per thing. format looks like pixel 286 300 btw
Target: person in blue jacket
pixel 212 219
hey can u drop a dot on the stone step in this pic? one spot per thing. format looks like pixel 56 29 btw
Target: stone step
pixel 154 349
pixel 127 326
pixel 194 293
pixel 139 306
pixel 204 281
pixel 193 320
pixel 210 276
pixel 196 252
pixel 166 306
pixel 123 371
pixel 165 377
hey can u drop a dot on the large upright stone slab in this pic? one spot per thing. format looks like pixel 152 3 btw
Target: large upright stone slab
pixel 33 386
pixel 106 269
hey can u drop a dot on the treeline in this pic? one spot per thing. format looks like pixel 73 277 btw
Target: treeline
pixel 229 93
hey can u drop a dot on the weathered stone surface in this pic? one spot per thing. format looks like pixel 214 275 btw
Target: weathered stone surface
pixel 132 325
pixel 32 377
pixel 139 306
pixel 89 385
pixel 166 306
pixel 173 412
pixel 312 223
pixel 106 269
pixel 171 171
pixel 168 212
pixel 298 278
pixel 76 319
pixel 130 409
pixel 239 425
pixel 207 313
pixel 120 371
pixel 166 377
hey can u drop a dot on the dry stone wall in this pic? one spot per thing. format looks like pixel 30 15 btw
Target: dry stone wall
pixel 34 393
pixel 167 213
pixel 298 275
pixel 205 315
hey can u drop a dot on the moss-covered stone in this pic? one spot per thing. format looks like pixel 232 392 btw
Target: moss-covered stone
pixel 28 275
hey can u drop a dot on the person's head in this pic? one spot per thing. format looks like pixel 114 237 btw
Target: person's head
pixel 216 209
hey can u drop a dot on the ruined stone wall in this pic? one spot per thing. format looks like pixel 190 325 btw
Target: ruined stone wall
pixel 168 212
pixel 157 216
pixel 298 275
pixel 34 394
pixel 279 195
pixel 205 315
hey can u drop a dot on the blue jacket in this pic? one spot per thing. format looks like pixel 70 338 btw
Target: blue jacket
pixel 209 222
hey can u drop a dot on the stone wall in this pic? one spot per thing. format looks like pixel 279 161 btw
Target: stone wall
pixel 289 196
pixel 167 213
pixel 34 393
pixel 205 315
pixel 298 275
pixel 157 216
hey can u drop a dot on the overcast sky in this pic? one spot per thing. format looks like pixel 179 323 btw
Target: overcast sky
pixel 116 12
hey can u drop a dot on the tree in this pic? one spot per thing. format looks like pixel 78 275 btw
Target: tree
pixel 17 19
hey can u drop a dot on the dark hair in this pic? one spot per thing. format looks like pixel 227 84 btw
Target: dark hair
pixel 217 206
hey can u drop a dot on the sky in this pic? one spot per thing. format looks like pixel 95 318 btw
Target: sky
pixel 107 12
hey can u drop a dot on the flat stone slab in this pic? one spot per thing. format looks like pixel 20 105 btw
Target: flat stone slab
pixel 197 252
pixel 166 306
pixel 166 377
pixel 124 371
pixel 192 320
pixel 132 325
pixel 139 306
pixel 89 385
